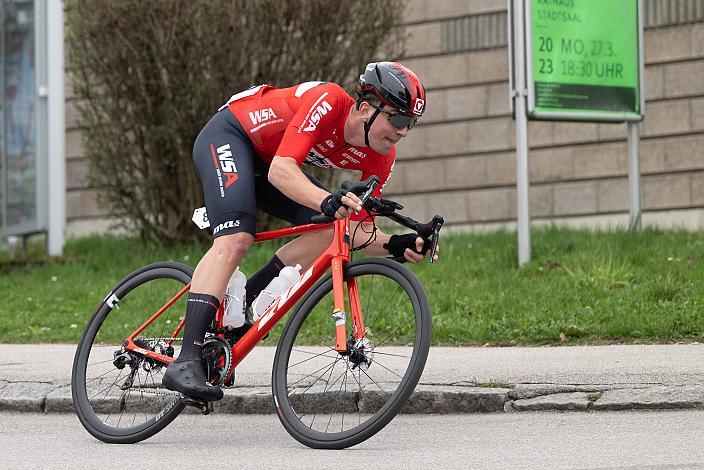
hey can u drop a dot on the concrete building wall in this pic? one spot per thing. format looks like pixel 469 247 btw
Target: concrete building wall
pixel 460 161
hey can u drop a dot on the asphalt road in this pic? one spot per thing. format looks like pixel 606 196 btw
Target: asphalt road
pixel 624 440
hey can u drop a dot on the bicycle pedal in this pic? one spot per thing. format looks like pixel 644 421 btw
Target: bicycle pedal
pixel 205 407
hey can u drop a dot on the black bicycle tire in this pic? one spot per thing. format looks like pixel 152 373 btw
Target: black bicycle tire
pixel 86 415
pixel 287 416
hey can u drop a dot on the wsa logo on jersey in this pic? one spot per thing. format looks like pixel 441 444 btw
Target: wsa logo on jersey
pixel 262 115
pixel 319 109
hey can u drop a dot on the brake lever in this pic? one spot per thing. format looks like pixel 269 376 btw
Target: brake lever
pixel 370 183
pixel 367 185
pixel 430 231
pixel 373 184
pixel 438 221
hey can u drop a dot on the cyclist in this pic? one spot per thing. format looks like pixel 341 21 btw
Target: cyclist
pixel 249 155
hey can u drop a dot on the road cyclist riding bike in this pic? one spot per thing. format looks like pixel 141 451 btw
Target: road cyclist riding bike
pixel 247 156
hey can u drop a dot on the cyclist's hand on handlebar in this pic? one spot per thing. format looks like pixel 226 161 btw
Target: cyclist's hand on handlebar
pixel 340 203
pixel 409 247
pixel 420 251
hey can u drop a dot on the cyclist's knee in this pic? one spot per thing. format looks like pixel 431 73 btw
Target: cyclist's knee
pixel 233 247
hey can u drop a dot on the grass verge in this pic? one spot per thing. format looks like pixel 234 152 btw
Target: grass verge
pixel 582 287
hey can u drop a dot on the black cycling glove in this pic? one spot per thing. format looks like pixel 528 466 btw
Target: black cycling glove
pixel 398 243
pixel 332 203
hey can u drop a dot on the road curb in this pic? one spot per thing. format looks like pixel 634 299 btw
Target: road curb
pixel 436 399
pixel 651 398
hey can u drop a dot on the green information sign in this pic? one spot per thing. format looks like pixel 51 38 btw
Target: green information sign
pixel 584 60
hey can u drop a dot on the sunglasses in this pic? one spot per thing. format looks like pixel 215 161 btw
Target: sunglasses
pixel 399 121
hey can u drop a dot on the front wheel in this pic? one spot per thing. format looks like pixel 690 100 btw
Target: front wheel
pixel 332 401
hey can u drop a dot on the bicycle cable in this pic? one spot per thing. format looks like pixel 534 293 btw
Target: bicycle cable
pixel 370 240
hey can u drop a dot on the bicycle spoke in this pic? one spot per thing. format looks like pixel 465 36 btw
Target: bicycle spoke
pixel 372 380
pixel 359 383
pixel 386 368
pixel 168 317
pixel 361 390
pixel 379 311
pixel 329 386
pixel 327 381
pixel 344 373
pixel 108 388
pixel 313 373
pixel 389 354
pixel 99 362
pixel 369 299
pixel 100 376
pixel 391 334
pixel 141 398
pixel 322 354
pixel 342 400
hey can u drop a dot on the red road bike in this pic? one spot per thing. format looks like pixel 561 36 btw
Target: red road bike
pixel 346 362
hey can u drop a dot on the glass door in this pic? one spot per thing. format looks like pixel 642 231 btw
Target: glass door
pixel 19 105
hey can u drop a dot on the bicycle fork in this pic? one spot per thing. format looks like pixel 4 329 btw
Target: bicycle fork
pixel 339 314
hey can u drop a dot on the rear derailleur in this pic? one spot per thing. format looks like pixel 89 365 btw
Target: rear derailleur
pixel 124 357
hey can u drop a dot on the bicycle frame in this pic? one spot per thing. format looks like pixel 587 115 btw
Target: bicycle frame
pixel 335 256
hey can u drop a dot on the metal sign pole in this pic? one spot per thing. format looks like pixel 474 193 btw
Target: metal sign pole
pixel 634 136
pixel 634 176
pixel 3 113
pixel 519 94
pixel 56 129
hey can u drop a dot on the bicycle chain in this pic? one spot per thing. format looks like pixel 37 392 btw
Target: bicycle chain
pixel 155 392
pixel 159 339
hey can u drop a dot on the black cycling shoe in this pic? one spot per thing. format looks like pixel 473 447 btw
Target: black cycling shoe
pixel 189 378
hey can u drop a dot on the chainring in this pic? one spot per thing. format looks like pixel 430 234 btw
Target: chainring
pixel 217 359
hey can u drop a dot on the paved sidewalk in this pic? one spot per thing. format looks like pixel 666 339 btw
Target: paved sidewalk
pixel 455 380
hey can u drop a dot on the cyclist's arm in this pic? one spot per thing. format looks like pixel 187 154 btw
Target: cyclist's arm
pixel 383 168
pixel 287 177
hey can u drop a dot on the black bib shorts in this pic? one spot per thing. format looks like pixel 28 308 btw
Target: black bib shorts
pixel 234 180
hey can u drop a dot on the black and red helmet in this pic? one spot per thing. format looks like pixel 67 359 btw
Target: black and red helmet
pixel 395 85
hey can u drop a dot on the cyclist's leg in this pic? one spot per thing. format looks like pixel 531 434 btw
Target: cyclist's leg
pixel 224 162
pixel 303 250
pixel 306 248
pixel 274 202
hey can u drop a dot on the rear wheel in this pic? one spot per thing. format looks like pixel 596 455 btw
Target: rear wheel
pixel 329 400
pixel 117 394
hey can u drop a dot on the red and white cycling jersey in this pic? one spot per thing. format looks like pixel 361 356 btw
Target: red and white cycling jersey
pixel 306 122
